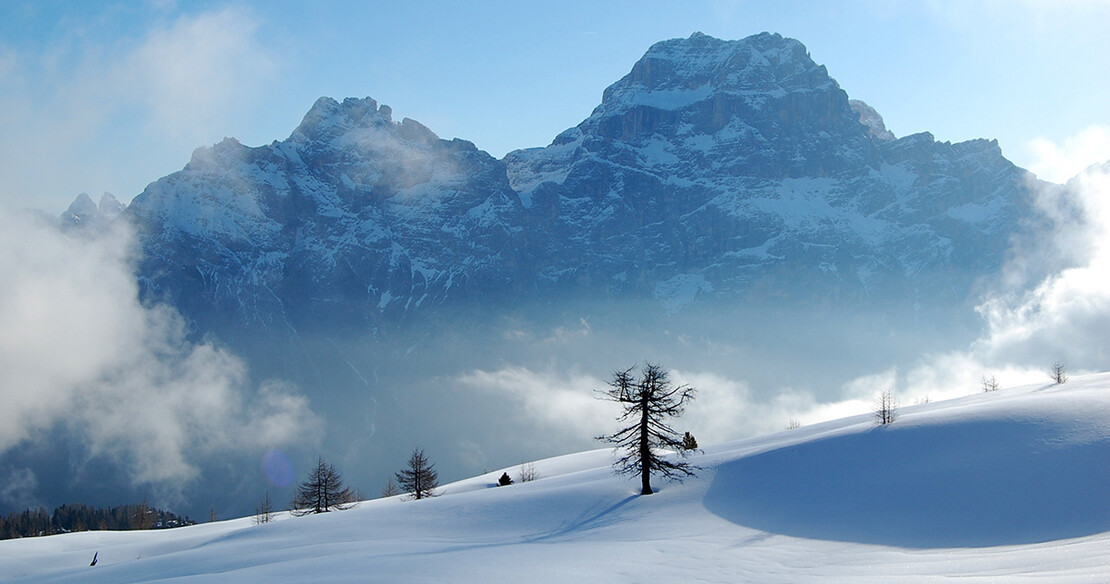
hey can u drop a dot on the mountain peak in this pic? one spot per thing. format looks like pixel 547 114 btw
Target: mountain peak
pixel 871 118
pixel 741 79
pixel 328 117
pixel 83 211
pixel 82 206
pixel 110 206
pixel 761 62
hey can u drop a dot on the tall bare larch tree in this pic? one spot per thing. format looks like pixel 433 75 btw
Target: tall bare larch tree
pixel 648 404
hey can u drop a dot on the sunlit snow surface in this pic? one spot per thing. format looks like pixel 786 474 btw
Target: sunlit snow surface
pixel 1008 486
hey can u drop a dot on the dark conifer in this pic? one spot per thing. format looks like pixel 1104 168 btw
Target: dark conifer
pixel 689 442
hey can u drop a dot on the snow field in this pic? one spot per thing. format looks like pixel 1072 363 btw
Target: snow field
pixel 1008 486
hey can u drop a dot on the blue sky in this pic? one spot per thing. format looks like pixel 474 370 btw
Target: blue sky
pixel 109 96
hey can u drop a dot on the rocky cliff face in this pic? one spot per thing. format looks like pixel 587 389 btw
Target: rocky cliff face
pixel 352 219
pixel 724 167
pixel 715 169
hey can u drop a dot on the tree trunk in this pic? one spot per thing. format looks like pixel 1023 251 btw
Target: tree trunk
pixel 645 445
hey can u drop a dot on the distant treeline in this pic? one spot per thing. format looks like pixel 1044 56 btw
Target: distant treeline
pixel 80 517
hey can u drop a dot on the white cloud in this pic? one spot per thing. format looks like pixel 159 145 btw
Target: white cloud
pixel 1059 162
pixel 72 112
pixel 188 73
pixel 78 350
pixel 561 400
pixel 1066 315
pixel 725 409
pixel 1031 320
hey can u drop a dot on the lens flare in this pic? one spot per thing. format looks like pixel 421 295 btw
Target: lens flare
pixel 278 467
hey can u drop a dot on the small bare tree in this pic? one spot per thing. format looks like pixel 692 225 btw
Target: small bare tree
pixel 264 512
pixel 990 383
pixel 528 472
pixel 1058 374
pixel 420 478
pixel 793 424
pixel 390 489
pixel 886 408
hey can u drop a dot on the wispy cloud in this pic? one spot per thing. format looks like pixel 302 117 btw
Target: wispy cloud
pixel 1065 315
pixel 79 352
pixel 566 401
pixel 17 488
pixel 1052 303
pixel 72 111
pixel 567 404
pixel 186 74
pixel 726 409
pixel 1059 162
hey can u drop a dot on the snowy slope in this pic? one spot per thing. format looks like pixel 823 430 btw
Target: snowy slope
pixel 1009 486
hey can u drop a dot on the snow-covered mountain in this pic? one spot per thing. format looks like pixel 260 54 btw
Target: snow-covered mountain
pixel 714 169
pixel 1006 486
pixel 352 218
pixel 734 166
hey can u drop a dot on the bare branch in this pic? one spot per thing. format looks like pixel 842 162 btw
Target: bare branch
pixel 647 404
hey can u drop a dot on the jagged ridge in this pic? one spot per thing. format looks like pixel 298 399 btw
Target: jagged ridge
pixel 714 169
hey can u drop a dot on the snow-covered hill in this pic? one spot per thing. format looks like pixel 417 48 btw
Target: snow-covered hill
pixel 1008 486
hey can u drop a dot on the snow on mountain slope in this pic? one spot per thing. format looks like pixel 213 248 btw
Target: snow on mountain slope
pixel 740 163
pixel 352 217
pixel 1009 486
pixel 743 162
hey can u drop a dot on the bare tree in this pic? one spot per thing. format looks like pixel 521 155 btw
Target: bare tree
pixel 264 512
pixel 886 408
pixel 528 472
pixel 419 478
pixel 322 491
pixel 648 403
pixel 990 384
pixel 390 489
pixel 1058 374
pixel 793 424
